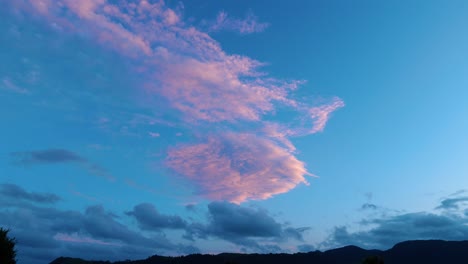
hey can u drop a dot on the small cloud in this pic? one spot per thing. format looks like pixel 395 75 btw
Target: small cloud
pixel 87 197
pixel 452 203
pixel 150 219
pixel 8 85
pixel 57 156
pixel 47 156
pixel 154 135
pixel 97 170
pixel 170 17
pixel 98 147
pixel 12 191
pixel 178 134
pixel 369 206
pixel 247 25
pixel 321 114
pixel 191 207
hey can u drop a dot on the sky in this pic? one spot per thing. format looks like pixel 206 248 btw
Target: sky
pixel 131 128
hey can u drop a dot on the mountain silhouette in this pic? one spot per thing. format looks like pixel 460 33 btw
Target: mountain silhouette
pixel 409 252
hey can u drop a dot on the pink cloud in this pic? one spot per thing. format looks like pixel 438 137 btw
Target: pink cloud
pixel 321 114
pixel 238 167
pixel 247 25
pixel 225 90
pixel 188 69
pixel 189 78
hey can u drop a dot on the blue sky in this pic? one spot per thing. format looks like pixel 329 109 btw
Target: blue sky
pixel 133 128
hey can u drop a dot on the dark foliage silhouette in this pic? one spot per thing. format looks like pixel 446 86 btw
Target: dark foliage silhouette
pixel 7 248
pixel 373 260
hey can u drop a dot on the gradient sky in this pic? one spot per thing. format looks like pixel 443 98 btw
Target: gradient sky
pixel 133 128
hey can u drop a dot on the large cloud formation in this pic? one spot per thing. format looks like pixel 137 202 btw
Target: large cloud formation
pixel 187 75
pixel 44 233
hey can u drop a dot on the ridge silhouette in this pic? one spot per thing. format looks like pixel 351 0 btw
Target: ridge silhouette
pixel 408 252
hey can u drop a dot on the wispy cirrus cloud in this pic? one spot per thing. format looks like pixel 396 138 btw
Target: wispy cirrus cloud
pixel 247 25
pixel 321 114
pixel 186 73
pixel 8 85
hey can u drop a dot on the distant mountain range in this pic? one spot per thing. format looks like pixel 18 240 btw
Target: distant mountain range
pixel 409 252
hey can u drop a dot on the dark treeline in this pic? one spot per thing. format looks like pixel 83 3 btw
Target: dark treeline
pixel 409 252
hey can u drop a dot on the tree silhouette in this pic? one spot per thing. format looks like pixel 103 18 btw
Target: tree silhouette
pixel 7 248
pixel 373 260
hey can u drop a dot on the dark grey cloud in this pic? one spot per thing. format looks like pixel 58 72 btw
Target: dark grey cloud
pixel 57 156
pixel 12 191
pixel 150 219
pixel 229 219
pixel 191 207
pixel 384 232
pixel 47 156
pixel 295 233
pixel 248 227
pixel 452 203
pixel 45 233
pixel 369 206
